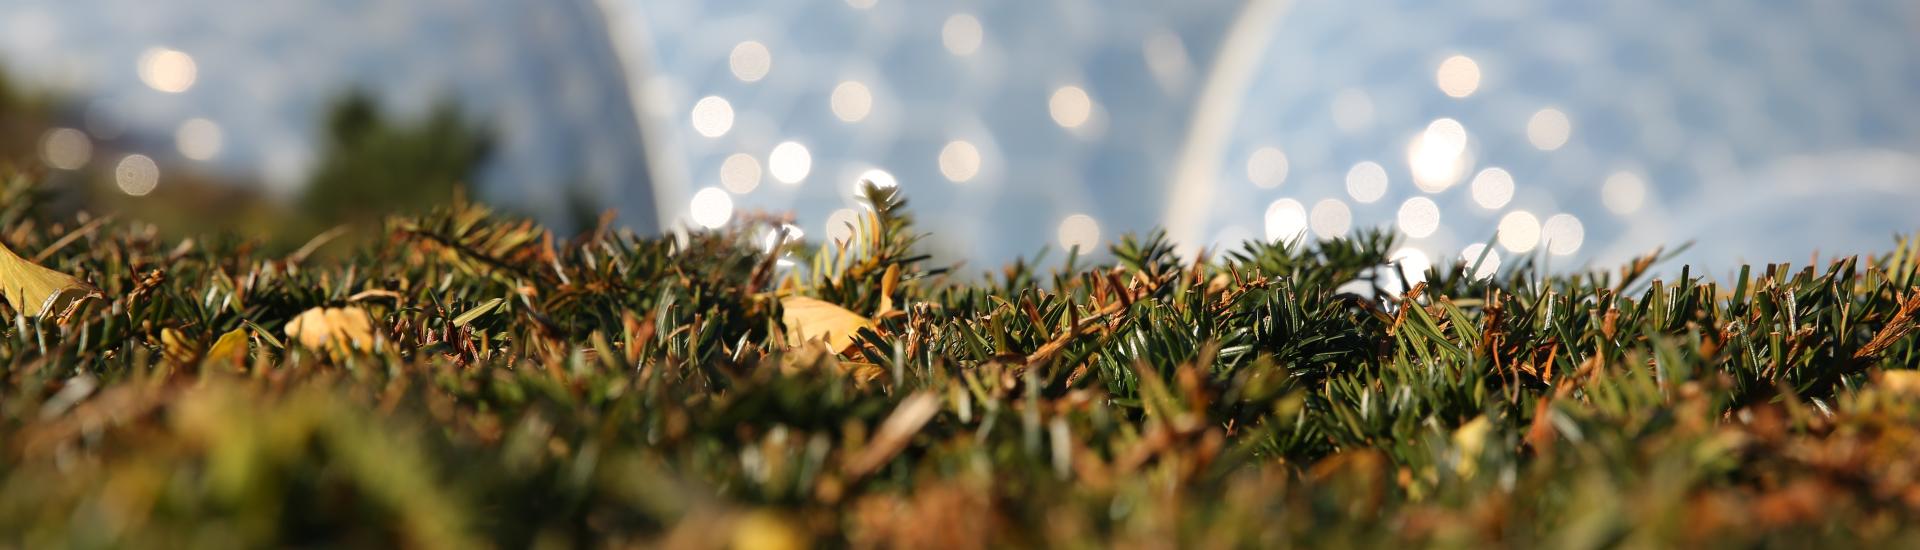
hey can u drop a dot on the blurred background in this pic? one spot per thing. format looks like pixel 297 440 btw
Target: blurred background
pixel 1584 133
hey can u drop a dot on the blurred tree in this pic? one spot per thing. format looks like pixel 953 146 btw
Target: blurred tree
pixel 372 165
pixel 24 117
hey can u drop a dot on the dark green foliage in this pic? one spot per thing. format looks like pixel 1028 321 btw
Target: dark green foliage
pixel 612 390
pixel 372 165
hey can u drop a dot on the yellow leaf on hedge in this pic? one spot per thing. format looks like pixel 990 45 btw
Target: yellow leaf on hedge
pixel 888 282
pixel 809 319
pixel 37 291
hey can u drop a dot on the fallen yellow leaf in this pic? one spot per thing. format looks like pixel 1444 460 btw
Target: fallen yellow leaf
pixel 177 347
pixel 809 319
pixel 309 328
pixel 1469 439
pixel 351 325
pixel 231 349
pixel 37 291
pixel 1903 382
pixel 343 327
pixel 767 531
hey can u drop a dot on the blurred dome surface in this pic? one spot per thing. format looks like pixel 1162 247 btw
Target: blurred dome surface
pixel 1761 130
pixel 1011 124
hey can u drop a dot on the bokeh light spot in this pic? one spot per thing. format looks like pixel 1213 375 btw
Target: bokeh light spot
pixel 961 34
pixel 1331 218
pixel 199 139
pixel 1419 217
pixel 851 101
pixel 750 61
pixel 1079 231
pixel 1519 231
pixel 1447 136
pixel 1286 219
pixel 959 161
pixel 740 173
pixel 712 116
pixel 711 207
pixel 136 175
pixel 1623 193
pixel 1438 156
pixel 1267 167
pixel 1070 106
pixel 1367 181
pixel 168 70
pixel 1458 76
pixel 789 162
pixel 66 148
pixel 1493 188
pixel 1549 129
pixel 1563 234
